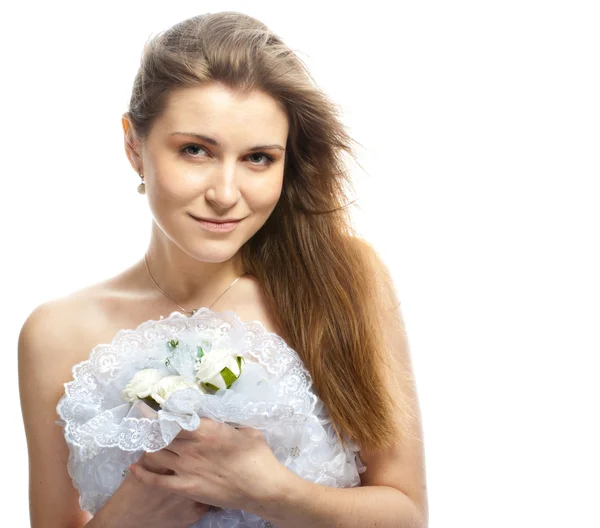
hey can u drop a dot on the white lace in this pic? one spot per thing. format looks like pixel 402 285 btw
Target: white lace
pixel 106 434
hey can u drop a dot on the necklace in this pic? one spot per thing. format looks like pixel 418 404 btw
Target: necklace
pixel 182 308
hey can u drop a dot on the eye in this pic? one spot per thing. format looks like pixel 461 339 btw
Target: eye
pixel 268 159
pixel 191 152
pixel 185 150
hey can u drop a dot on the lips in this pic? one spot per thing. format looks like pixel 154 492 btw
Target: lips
pixel 217 221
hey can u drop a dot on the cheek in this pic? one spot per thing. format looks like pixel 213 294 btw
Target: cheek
pixel 263 198
pixel 171 180
pixel 163 199
pixel 174 185
pixel 172 189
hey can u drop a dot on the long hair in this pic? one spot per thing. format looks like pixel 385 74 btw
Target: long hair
pixel 316 273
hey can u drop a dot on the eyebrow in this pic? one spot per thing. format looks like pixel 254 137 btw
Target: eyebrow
pixel 214 142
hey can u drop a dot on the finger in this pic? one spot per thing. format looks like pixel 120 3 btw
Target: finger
pixel 159 463
pixel 206 424
pixel 164 458
pixel 178 446
pixel 186 435
pixel 153 466
pixel 155 480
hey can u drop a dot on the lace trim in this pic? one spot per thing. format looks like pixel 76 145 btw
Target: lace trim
pixel 105 434
pixel 87 416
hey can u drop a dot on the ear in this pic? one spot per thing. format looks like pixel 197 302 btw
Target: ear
pixel 132 144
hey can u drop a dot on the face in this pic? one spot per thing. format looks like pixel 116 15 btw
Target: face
pixel 233 172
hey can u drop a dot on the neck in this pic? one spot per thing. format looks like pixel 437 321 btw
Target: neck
pixel 189 281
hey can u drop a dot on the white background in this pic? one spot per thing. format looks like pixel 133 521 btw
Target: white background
pixel 481 128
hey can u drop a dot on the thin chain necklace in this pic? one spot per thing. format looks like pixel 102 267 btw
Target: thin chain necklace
pixel 182 308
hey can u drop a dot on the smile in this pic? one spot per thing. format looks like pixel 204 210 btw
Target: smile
pixel 219 227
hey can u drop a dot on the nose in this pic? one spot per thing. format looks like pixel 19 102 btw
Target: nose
pixel 223 190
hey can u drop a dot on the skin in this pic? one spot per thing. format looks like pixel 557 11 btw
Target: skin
pixel 185 175
pixel 204 180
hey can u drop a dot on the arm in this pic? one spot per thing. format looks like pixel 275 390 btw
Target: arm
pixel 393 491
pixel 48 348
pixel 303 504
pixel 53 501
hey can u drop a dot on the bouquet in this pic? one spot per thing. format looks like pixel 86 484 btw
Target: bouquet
pixel 215 367
pixel 137 393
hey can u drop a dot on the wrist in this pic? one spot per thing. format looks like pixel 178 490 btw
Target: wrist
pixel 117 511
pixel 284 497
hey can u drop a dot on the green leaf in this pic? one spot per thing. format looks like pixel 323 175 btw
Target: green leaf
pixel 209 386
pixel 173 343
pixel 151 403
pixel 228 376
pixel 200 352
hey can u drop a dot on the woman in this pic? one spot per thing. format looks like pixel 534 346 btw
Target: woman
pixel 241 159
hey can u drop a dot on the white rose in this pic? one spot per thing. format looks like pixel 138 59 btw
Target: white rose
pixel 208 369
pixel 170 384
pixel 141 385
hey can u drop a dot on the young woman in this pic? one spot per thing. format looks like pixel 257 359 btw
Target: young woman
pixel 240 157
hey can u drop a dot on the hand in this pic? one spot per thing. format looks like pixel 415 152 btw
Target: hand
pixel 135 504
pixel 217 464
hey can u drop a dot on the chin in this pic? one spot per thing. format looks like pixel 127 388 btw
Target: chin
pixel 211 251
pixel 214 257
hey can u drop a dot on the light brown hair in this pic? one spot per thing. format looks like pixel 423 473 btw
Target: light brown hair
pixel 317 275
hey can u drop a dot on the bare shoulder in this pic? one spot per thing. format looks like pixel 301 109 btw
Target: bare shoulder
pixel 52 339
pixel 57 330
pixel 65 329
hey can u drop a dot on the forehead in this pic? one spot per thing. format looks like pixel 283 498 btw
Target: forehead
pixel 225 113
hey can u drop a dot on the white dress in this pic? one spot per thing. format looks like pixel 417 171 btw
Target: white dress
pixel 274 394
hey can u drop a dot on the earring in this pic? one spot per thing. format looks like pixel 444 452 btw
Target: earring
pixel 142 186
